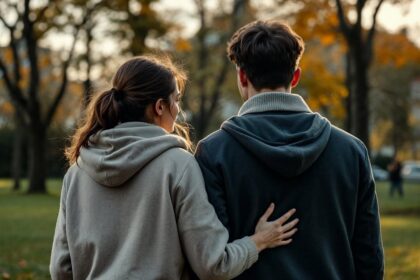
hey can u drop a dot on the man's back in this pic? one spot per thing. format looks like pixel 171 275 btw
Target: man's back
pixel 296 159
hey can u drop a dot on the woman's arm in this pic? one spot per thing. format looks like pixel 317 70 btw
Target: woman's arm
pixel 205 239
pixel 60 264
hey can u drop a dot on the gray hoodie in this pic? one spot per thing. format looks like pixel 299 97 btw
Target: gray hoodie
pixel 134 207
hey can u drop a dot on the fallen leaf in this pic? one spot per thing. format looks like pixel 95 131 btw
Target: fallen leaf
pixel 23 263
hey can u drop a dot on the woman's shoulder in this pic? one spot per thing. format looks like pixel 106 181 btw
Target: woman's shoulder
pixel 180 157
pixel 179 154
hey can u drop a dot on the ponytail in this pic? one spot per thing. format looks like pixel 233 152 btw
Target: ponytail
pixel 103 112
pixel 108 108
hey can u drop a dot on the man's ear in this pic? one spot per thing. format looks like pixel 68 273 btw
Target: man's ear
pixel 159 107
pixel 296 77
pixel 243 78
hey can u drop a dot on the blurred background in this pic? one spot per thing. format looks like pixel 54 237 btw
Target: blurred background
pixel 361 69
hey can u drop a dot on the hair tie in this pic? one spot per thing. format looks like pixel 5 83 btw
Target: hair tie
pixel 117 94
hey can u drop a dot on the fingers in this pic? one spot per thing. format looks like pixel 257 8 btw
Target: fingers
pixel 280 243
pixel 284 242
pixel 285 232
pixel 285 217
pixel 290 225
pixel 268 212
pixel 288 234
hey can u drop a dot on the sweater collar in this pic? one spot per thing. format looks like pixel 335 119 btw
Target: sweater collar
pixel 274 101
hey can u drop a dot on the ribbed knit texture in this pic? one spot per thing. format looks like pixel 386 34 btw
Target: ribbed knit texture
pixel 274 101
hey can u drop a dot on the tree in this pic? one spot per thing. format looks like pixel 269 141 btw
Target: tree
pixel 136 21
pixel 8 116
pixel 31 23
pixel 396 65
pixel 359 59
pixel 90 57
pixel 209 66
pixel 359 42
pixel 322 80
pixel 131 23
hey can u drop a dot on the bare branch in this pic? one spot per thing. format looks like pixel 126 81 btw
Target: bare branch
pixel 238 10
pixel 31 48
pixel 14 91
pixel 202 59
pixel 374 17
pixel 11 27
pixel 66 64
pixel 10 86
pixel 360 4
pixel 16 58
pixel 13 46
pixel 343 19
pixel 41 13
pixel 217 89
pixel 372 31
pixel 8 26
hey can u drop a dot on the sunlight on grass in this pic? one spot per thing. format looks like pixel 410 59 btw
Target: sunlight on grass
pixel 393 222
pixel 401 236
pixel 407 205
pixel 53 186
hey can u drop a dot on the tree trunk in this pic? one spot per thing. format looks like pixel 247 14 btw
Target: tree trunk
pixel 17 154
pixel 88 83
pixel 361 125
pixel 359 95
pixel 414 148
pixel 348 99
pixel 37 158
pixel 87 93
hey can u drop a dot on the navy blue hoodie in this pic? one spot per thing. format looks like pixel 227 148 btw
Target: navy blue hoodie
pixel 277 150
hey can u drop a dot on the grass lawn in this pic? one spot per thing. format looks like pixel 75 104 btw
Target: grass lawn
pixel 400 220
pixel 27 224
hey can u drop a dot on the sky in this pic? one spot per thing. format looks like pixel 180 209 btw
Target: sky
pixel 390 17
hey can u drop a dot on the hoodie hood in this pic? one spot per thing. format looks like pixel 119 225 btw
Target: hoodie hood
pixel 280 130
pixel 115 155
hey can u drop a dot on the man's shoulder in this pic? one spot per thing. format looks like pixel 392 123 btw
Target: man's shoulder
pixel 214 138
pixel 213 146
pixel 344 139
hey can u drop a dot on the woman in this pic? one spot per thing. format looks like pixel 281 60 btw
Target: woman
pixel 133 203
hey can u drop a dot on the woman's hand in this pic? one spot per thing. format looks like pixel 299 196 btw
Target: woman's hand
pixel 274 233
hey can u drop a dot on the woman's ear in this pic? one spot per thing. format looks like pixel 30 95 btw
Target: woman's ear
pixel 159 107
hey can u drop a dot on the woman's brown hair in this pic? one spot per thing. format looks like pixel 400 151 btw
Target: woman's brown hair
pixel 139 82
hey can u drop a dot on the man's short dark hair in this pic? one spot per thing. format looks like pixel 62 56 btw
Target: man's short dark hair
pixel 268 52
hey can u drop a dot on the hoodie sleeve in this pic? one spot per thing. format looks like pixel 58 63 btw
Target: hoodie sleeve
pixel 213 184
pixel 367 242
pixel 60 264
pixel 203 237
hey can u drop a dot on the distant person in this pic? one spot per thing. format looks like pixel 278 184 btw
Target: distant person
pixel 277 149
pixel 395 178
pixel 133 203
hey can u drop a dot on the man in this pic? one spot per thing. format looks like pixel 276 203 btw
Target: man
pixel 277 150
pixel 395 178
